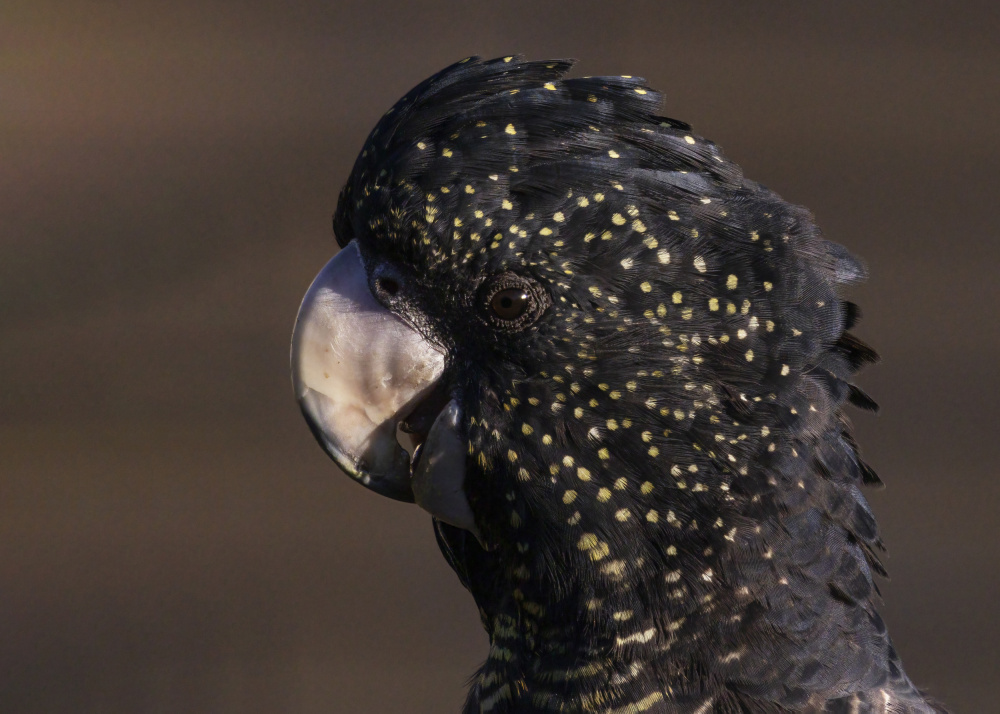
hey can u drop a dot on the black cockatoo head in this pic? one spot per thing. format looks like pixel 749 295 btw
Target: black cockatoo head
pixel 625 363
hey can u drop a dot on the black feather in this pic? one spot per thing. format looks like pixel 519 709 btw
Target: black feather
pixel 659 464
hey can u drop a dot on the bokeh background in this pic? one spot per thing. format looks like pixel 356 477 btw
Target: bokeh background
pixel 172 539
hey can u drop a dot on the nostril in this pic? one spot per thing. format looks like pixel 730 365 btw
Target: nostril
pixel 388 286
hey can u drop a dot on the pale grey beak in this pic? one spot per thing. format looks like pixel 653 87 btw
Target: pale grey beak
pixel 358 370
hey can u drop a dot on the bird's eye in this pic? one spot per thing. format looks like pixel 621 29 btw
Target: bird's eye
pixel 510 304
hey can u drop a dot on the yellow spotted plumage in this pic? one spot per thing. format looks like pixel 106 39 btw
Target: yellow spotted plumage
pixel 665 487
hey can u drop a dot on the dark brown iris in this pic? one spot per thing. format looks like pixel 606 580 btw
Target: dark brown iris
pixel 510 304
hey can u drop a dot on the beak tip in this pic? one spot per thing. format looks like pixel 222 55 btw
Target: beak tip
pixel 387 484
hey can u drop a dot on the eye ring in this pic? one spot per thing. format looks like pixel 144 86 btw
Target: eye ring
pixel 510 302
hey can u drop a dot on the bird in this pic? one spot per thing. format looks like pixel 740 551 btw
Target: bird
pixel 624 368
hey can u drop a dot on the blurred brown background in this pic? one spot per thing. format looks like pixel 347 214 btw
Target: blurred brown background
pixel 172 540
